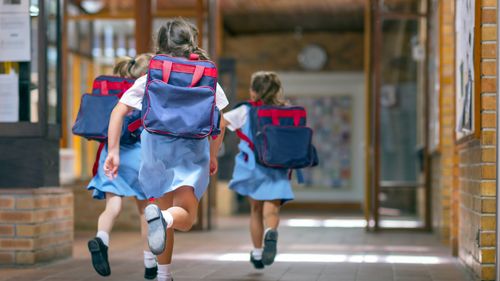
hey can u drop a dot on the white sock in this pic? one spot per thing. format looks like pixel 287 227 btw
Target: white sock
pixel 104 237
pixel 149 259
pixel 257 253
pixel 164 272
pixel 168 218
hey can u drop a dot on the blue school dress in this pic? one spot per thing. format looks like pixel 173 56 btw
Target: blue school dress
pixel 256 181
pixel 127 182
pixel 169 163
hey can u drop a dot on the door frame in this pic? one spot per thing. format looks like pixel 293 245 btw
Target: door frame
pixel 373 45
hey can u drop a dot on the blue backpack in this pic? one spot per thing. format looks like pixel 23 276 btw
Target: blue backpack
pixel 179 100
pixel 281 138
pixel 95 110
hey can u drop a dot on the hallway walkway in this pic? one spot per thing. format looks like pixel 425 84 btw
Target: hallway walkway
pixel 310 250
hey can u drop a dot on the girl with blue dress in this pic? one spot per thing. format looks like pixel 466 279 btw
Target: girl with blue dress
pixel 174 171
pixel 126 184
pixel 266 188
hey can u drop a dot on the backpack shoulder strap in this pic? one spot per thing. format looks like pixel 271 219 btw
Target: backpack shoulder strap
pixel 249 103
pixel 245 138
pixel 239 132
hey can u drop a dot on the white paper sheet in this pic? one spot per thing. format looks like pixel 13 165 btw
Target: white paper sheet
pixel 14 6
pixel 15 37
pixel 9 97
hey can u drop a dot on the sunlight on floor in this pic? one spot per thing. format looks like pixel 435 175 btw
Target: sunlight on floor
pixel 342 223
pixel 322 258
pixel 350 223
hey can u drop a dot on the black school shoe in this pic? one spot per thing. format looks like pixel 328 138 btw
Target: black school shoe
pixel 99 253
pixel 150 272
pixel 256 263
pixel 270 246
pixel 157 229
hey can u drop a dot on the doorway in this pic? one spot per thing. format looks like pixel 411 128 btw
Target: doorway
pixel 397 190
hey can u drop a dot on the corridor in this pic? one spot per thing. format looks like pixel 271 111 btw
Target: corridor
pixel 310 249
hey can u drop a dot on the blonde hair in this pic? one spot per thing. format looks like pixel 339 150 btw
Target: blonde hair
pixel 132 68
pixel 267 86
pixel 179 38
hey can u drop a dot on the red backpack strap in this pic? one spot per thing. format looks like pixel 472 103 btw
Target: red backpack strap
pixel 256 103
pixel 167 69
pixel 132 127
pixel 245 138
pixel 97 158
pixel 197 75
pixel 104 88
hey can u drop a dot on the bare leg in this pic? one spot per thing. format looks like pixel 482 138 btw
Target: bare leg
pixel 110 213
pixel 256 222
pixel 185 208
pixel 271 213
pixel 271 220
pixel 98 247
pixel 182 205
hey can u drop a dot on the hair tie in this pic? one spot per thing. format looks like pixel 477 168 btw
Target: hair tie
pixel 130 64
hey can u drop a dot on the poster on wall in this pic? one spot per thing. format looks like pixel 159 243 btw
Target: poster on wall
pixel 9 99
pixel 433 78
pixel 15 40
pixel 464 72
pixel 330 117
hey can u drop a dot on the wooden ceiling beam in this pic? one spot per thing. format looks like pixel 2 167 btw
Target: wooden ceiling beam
pixel 170 13
pixel 143 26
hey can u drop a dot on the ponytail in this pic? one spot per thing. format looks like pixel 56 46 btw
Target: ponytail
pixel 132 67
pixel 267 86
pixel 179 38
pixel 121 68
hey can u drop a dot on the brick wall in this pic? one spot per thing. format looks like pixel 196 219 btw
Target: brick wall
pixel 87 211
pixel 279 52
pixel 36 225
pixel 477 165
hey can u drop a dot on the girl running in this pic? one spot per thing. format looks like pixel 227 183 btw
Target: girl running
pixel 174 170
pixel 125 184
pixel 266 188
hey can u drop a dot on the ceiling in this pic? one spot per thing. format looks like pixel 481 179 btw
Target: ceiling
pixel 265 16
pixel 258 16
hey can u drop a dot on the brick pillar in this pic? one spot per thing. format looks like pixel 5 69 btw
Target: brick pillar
pixel 36 225
pixel 445 165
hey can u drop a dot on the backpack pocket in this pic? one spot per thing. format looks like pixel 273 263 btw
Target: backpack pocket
pixel 178 111
pixel 285 146
pixel 93 117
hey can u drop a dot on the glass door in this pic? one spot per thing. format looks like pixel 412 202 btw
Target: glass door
pixel 398 190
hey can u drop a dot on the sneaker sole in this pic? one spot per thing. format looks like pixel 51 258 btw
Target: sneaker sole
pixel 270 247
pixel 150 273
pixel 98 261
pixel 156 229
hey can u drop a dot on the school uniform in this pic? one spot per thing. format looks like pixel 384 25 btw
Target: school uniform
pixel 249 177
pixel 171 162
pixel 127 182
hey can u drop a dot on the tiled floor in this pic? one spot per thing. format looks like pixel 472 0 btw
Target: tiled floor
pixel 318 252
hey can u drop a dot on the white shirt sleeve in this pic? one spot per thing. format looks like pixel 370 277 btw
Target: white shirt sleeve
pixel 134 95
pixel 236 117
pixel 220 98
